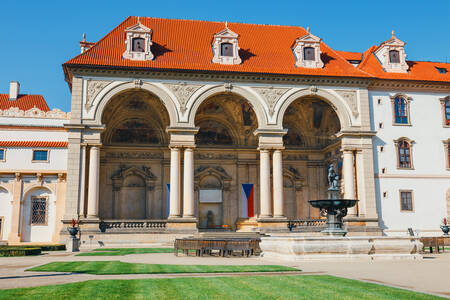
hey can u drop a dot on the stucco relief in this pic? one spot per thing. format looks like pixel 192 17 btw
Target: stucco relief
pixel 34 113
pixel 351 100
pixel 134 155
pixel 183 92
pixel 93 88
pixel 218 156
pixel 271 96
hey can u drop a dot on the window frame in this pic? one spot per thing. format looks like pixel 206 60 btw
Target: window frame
pixel 46 211
pixel 408 110
pixel 398 55
pixel 412 200
pixel 4 154
pixel 447 153
pixel 40 161
pixel 397 151
pixel 445 121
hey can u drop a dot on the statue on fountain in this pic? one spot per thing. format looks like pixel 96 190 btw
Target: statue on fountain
pixel 333 178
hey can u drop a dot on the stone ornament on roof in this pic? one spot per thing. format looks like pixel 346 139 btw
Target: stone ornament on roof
pixel 392 56
pixel 138 41
pixel 225 47
pixel 307 51
pixel 34 113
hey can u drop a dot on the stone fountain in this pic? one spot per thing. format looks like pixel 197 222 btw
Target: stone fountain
pixel 334 208
pixel 334 244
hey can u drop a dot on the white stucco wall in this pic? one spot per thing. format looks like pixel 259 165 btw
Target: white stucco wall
pixel 22 159
pixel 429 179
pixel 5 212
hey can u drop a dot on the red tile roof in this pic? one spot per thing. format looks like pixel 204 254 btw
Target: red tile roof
pixel 186 45
pixel 24 102
pixel 418 70
pixel 350 55
pixel 33 144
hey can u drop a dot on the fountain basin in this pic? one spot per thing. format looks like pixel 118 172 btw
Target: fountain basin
pixel 333 203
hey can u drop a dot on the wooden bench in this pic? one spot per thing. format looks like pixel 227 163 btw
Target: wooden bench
pixel 224 246
pixel 435 242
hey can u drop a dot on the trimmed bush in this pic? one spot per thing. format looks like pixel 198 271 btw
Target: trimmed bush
pixel 19 251
pixel 57 247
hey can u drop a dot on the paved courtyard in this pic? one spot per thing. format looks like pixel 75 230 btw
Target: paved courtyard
pixel 418 275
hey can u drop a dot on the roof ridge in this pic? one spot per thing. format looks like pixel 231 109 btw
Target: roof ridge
pixel 346 61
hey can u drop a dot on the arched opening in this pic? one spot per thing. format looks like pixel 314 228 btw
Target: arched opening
pixel 132 154
pixel 37 215
pixel 311 145
pixel 5 213
pixel 226 144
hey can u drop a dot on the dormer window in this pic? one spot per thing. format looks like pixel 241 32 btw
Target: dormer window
pixel 225 47
pixel 138 42
pixel 307 51
pixel 391 54
pixel 394 57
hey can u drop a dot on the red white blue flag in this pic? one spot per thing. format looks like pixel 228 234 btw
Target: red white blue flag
pixel 248 210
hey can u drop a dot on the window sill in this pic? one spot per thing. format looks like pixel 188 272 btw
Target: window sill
pixel 398 124
pixel 399 168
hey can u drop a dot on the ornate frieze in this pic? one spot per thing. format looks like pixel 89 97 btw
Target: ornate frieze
pixel 350 99
pixel 295 157
pixel 183 92
pixel 93 88
pixel 134 155
pixel 218 156
pixel 34 113
pixel 271 96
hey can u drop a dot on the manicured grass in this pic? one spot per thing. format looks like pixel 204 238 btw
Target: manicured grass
pixel 223 288
pixel 118 267
pixel 124 251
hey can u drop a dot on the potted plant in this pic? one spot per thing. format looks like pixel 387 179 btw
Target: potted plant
pixel 444 226
pixel 74 229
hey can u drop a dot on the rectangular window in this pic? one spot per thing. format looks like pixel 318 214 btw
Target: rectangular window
pixel 39 210
pixel 2 154
pixel 406 202
pixel 40 155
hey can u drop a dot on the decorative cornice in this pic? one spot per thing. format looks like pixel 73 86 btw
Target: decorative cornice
pixel 34 112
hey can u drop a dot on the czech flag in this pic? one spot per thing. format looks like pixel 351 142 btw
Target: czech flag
pixel 248 210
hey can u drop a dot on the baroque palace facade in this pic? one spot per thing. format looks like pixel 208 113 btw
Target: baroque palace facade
pixel 178 126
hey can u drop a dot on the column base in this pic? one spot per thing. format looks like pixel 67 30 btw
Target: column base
pixel 182 225
pixel 172 217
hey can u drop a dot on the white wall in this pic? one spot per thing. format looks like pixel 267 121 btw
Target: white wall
pixel 5 212
pixel 21 159
pixel 429 179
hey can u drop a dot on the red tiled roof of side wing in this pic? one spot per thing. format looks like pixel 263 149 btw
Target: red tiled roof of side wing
pixel 418 70
pixel 24 102
pixel 34 144
pixel 186 45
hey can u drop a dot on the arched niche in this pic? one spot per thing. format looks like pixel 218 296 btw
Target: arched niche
pixel 38 215
pixel 132 197
pixel 135 117
pixel 226 120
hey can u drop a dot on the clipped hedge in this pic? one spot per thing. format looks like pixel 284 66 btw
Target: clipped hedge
pixel 57 247
pixel 19 251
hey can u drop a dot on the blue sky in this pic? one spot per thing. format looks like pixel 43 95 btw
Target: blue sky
pixel 39 36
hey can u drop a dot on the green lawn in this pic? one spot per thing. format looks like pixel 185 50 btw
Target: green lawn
pixel 252 287
pixel 124 251
pixel 118 267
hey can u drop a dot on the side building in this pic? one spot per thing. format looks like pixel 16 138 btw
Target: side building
pixel 33 163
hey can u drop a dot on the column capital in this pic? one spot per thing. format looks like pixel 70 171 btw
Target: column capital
pixel 94 145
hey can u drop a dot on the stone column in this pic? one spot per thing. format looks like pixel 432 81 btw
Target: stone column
pixel 174 211
pixel 278 205
pixel 264 182
pixel 188 184
pixel 82 180
pixel 349 179
pixel 94 176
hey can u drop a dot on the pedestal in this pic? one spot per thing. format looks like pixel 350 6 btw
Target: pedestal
pixel 73 244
